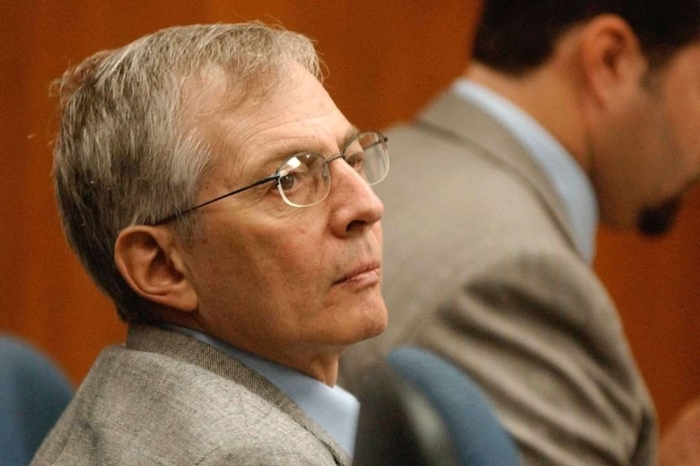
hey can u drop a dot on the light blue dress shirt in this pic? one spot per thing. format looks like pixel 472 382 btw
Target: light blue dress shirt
pixel 569 179
pixel 334 409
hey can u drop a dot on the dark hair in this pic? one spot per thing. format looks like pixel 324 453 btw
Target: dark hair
pixel 516 36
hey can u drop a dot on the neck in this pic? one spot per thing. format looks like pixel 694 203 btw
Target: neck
pixel 321 365
pixel 548 95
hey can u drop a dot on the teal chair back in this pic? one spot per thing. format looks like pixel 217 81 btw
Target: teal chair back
pixel 33 394
pixel 417 409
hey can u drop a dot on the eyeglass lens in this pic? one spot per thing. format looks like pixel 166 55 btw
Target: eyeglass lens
pixel 305 178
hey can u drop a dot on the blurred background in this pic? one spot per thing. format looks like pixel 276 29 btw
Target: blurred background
pixel 385 61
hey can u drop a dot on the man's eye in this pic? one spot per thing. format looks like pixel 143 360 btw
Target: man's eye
pixel 288 182
pixel 356 160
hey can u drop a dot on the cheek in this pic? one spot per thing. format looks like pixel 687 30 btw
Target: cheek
pixel 683 115
pixel 684 141
pixel 688 138
pixel 214 269
pixel 379 233
pixel 290 263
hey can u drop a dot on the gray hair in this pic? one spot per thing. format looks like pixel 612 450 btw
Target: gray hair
pixel 124 153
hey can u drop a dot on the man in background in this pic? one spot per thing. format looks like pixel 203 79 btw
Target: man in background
pixel 193 173
pixel 574 112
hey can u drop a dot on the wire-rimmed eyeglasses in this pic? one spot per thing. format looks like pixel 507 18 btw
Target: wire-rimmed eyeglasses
pixel 304 179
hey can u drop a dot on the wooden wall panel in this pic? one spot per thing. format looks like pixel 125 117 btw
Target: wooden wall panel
pixel 385 60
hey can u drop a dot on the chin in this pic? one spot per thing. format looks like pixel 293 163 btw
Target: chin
pixel 371 322
pixel 378 327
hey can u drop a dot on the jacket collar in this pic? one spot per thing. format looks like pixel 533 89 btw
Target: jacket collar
pixel 448 115
pixel 187 349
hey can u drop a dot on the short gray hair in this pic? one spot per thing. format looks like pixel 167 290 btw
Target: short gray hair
pixel 124 154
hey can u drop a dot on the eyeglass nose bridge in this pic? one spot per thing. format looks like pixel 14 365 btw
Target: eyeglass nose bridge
pixel 335 157
pixel 360 176
pixel 368 174
pixel 327 184
pixel 352 169
pixel 328 166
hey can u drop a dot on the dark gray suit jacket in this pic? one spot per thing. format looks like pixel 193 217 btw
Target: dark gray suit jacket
pixel 480 266
pixel 168 399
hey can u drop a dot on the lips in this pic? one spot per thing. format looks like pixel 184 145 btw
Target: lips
pixel 365 272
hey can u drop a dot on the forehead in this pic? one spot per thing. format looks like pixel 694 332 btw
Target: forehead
pixel 281 119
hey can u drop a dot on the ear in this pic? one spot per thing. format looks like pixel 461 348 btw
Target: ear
pixel 148 259
pixel 611 59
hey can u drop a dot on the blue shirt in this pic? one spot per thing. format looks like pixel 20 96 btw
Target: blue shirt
pixel 569 179
pixel 334 409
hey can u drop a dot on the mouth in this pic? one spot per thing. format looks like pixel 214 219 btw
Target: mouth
pixel 365 274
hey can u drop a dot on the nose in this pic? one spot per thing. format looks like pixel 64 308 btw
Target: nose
pixel 355 206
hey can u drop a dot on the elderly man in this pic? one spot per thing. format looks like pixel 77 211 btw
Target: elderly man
pixel 574 112
pixel 214 191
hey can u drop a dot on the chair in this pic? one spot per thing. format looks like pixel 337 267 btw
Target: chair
pixel 33 394
pixel 419 410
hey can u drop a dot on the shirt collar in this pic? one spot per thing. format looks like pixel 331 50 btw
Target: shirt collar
pixel 570 181
pixel 332 408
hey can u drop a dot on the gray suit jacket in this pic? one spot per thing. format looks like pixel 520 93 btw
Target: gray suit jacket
pixel 168 399
pixel 480 266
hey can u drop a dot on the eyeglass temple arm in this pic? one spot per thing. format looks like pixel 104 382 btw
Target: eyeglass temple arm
pixel 211 201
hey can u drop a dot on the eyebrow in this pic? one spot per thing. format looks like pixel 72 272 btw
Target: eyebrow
pixel 281 156
pixel 350 134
